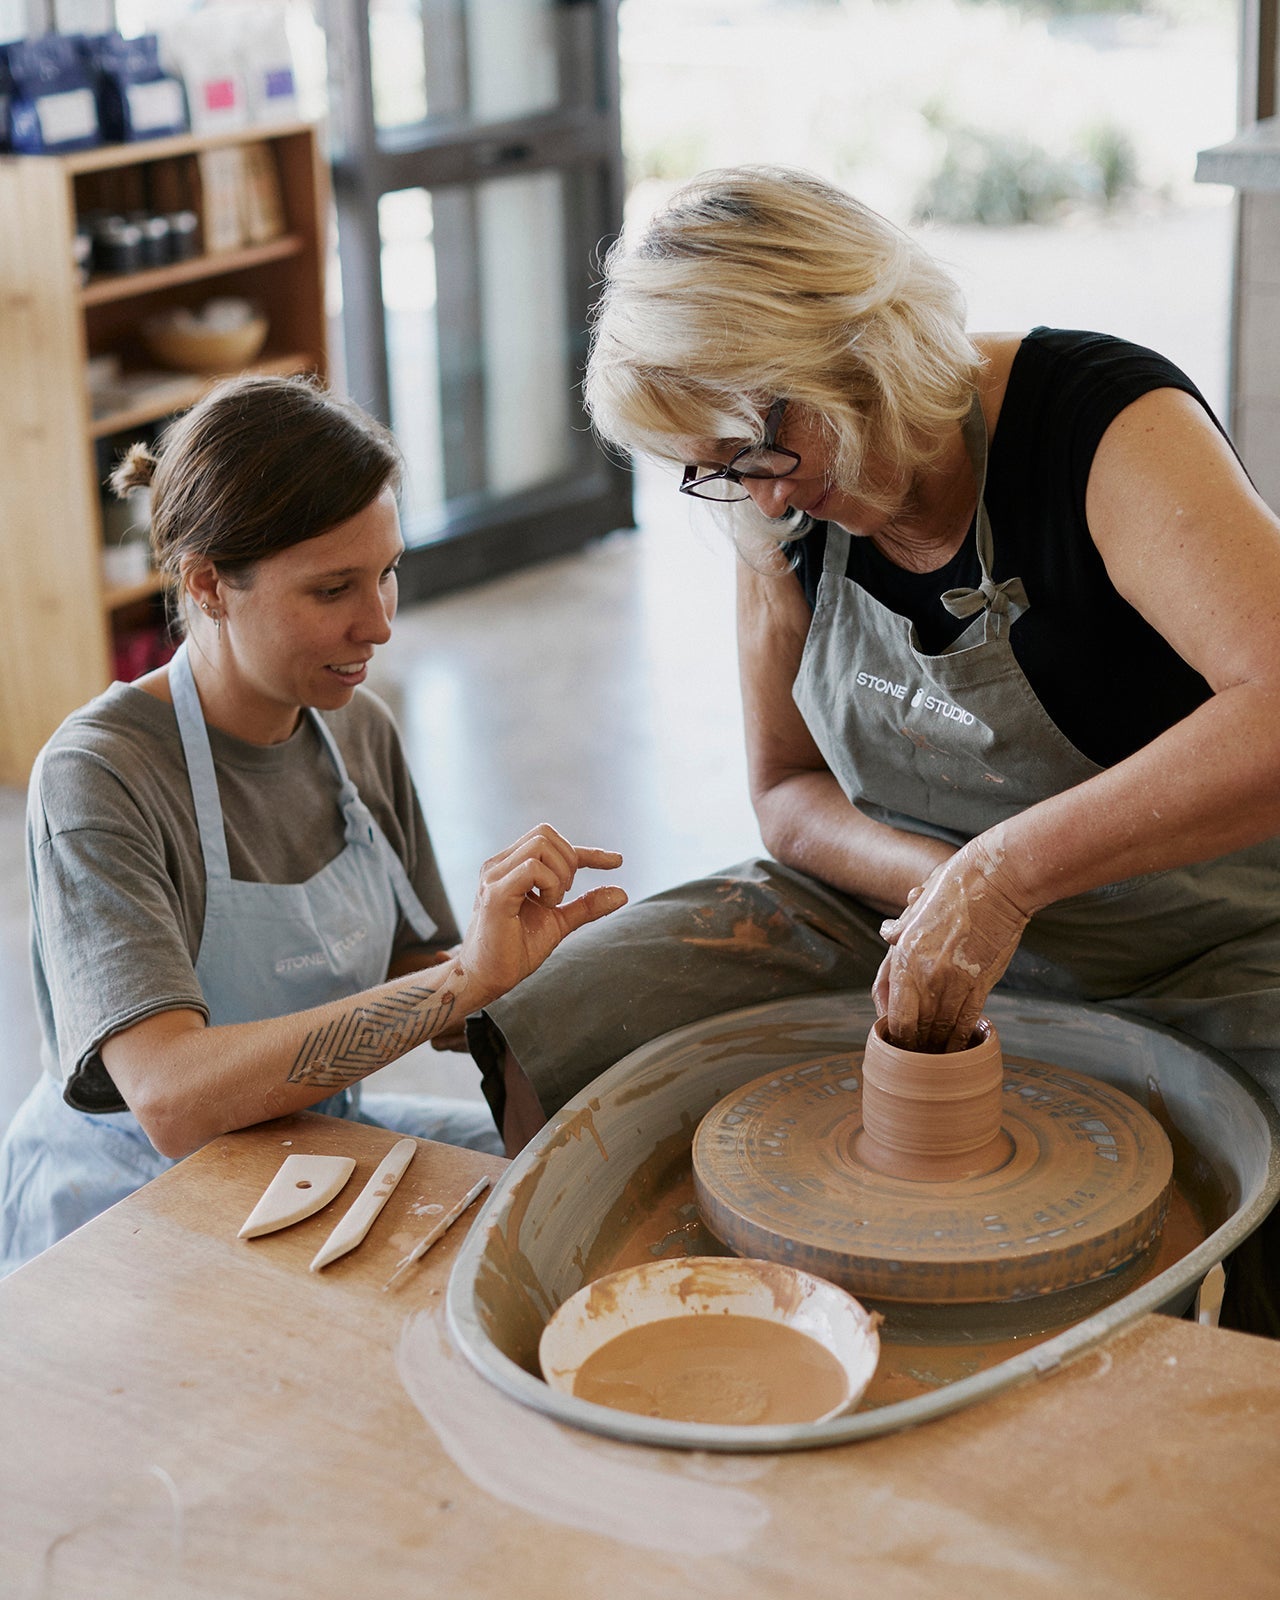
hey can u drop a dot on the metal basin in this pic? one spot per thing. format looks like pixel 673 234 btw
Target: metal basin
pixel 542 1234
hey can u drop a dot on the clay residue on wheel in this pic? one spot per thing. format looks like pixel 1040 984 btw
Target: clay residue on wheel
pixel 512 1304
pixel 655 1217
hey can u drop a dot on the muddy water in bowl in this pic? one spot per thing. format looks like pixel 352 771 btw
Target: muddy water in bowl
pixel 715 1369
pixel 714 1340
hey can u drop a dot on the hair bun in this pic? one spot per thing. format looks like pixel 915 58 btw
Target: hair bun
pixel 135 471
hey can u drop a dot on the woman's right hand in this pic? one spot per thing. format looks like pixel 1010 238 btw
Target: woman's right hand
pixel 187 1081
pixel 948 949
pixel 521 914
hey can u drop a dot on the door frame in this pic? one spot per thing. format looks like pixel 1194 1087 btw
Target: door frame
pixel 483 536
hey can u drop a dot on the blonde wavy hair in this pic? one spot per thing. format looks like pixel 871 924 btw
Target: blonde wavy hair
pixel 757 283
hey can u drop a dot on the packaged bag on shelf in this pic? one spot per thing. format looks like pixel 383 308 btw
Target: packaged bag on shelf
pixel 262 205
pixel 241 200
pixel 52 107
pixel 203 49
pixel 221 198
pixel 270 77
pixel 137 99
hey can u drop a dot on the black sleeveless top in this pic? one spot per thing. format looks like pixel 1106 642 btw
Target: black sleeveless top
pixel 1106 677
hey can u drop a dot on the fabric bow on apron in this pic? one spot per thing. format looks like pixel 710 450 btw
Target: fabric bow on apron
pixel 951 744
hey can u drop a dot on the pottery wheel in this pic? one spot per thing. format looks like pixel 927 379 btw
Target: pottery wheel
pixel 1082 1189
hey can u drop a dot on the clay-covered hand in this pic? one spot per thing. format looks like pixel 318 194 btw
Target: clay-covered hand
pixel 521 914
pixel 948 950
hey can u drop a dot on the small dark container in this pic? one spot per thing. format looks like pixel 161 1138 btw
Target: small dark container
pixel 184 229
pixel 155 241
pixel 117 246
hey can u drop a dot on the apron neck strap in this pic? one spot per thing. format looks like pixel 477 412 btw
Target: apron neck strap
pixel 200 773
pixel 335 755
pixel 357 819
pixel 1003 602
pixel 974 432
pixel 835 559
pixel 203 777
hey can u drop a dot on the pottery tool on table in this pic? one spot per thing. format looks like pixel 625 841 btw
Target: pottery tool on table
pixel 352 1228
pixel 441 1226
pixel 935 1179
pixel 301 1187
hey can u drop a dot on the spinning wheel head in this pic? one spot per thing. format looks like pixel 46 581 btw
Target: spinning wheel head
pixel 934 1179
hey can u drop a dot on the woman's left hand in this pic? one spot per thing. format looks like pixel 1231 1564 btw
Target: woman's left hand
pixel 521 913
pixel 948 950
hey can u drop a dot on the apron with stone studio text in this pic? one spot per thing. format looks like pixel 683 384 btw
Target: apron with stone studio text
pixel 951 744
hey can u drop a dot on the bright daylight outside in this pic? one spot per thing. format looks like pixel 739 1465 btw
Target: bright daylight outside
pixel 1045 149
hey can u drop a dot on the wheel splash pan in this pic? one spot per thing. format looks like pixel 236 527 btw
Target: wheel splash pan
pixel 528 1249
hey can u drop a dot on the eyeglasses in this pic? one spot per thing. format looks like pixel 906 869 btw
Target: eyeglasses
pixel 763 460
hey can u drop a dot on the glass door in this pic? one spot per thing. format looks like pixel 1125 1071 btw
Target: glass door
pixel 478 171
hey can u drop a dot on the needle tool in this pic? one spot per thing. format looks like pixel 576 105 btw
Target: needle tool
pixel 442 1226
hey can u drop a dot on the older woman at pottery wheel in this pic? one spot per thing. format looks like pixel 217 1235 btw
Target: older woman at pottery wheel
pixel 1008 620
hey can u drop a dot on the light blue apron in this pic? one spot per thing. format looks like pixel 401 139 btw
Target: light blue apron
pixel 266 950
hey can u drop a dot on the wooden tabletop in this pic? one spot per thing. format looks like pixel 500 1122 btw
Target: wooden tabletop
pixel 184 1413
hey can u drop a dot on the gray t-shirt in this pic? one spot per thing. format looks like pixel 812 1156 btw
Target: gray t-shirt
pixel 117 875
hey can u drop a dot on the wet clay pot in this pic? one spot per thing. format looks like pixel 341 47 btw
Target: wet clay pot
pixel 930 1117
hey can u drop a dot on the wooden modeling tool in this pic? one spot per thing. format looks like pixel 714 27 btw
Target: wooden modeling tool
pixel 302 1185
pixel 367 1204
pixel 442 1226
pixel 936 1179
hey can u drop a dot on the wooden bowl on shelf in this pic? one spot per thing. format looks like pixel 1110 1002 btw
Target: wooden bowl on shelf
pixel 187 347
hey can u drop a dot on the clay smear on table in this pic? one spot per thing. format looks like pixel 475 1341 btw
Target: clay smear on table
pixel 715 1368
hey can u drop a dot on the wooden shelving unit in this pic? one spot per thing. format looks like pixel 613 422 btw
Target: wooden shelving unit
pixel 56 613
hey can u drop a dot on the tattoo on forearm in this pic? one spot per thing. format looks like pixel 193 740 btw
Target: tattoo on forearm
pixel 368 1037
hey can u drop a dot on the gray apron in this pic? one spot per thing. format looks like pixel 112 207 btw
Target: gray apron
pixel 945 745
pixel 951 744
pixel 266 950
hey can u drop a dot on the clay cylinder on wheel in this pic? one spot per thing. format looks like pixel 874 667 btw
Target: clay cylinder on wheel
pixel 932 1117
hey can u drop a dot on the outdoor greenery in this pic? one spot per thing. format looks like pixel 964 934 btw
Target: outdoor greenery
pixel 997 178
pixel 964 111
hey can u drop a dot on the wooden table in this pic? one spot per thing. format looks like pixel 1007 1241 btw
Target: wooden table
pixel 184 1413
